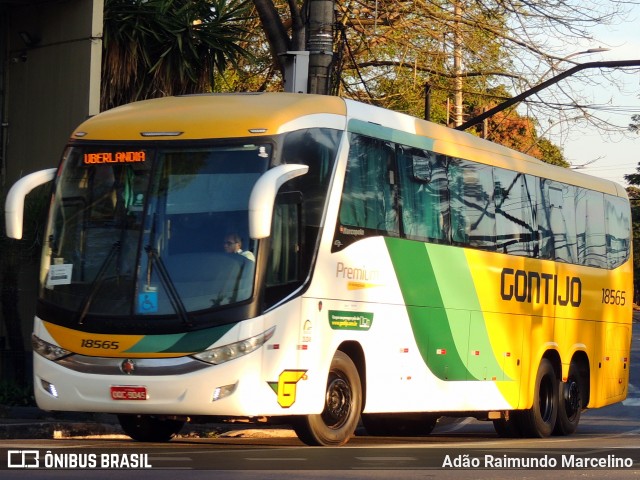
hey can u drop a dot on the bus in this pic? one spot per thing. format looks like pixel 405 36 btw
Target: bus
pixel 318 262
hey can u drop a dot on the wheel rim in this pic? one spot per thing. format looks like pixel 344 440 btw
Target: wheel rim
pixel 337 402
pixel 571 398
pixel 546 399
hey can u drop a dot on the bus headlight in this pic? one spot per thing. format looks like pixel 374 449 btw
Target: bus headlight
pixel 232 351
pixel 48 350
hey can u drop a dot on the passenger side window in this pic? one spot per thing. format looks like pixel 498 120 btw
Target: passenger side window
pixel 473 218
pixel 424 194
pixel 557 222
pixel 368 197
pixel 515 198
pixel 592 249
pixel 618 220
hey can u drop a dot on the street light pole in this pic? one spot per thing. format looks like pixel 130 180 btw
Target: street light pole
pixel 574 54
pixel 545 84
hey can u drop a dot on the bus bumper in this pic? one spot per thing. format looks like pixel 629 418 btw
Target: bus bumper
pixel 232 389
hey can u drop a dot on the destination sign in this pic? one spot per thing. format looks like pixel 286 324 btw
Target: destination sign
pixel 114 157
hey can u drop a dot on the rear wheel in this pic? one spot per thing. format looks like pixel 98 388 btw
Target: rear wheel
pixel 570 403
pixel 149 428
pixel 343 403
pixel 507 427
pixel 540 420
pixel 399 424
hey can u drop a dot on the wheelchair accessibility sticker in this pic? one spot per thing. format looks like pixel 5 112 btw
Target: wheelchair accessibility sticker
pixel 148 302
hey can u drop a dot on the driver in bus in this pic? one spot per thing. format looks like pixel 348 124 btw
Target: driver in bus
pixel 233 244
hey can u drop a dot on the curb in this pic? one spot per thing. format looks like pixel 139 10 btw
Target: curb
pixel 22 423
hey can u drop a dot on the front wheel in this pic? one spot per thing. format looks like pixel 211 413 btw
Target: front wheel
pixel 149 428
pixel 342 405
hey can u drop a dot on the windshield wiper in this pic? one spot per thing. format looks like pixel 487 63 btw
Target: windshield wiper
pixel 165 278
pixel 97 282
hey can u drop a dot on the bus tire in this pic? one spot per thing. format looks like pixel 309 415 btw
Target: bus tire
pixel 149 428
pixel 540 420
pixel 399 424
pixel 570 403
pixel 507 427
pixel 343 404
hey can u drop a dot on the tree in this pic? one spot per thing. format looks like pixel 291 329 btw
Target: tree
pixel 634 197
pixel 635 127
pixel 155 48
pixel 387 50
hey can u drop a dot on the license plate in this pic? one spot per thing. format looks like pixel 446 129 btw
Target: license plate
pixel 121 392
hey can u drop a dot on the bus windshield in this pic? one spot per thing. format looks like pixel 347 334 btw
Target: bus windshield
pixel 151 231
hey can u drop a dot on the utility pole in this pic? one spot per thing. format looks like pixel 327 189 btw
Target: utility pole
pixel 457 63
pixel 320 45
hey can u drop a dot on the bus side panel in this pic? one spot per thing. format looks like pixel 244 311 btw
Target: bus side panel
pixel 568 310
pixel 416 351
pixel 617 361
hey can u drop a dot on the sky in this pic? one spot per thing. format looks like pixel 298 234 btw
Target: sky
pixel 610 156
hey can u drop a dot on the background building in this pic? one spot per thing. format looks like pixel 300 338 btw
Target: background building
pixel 50 61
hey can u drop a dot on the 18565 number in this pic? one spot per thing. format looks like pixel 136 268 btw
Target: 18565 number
pixel 104 344
pixel 613 297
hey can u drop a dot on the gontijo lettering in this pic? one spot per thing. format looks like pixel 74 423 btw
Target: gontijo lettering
pixel 114 157
pixel 537 287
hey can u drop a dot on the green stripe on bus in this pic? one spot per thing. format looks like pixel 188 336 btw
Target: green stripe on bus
pixel 196 341
pixel 444 310
pixel 459 295
pixel 431 325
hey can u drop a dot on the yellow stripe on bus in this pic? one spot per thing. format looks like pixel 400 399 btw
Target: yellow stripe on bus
pixel 94 344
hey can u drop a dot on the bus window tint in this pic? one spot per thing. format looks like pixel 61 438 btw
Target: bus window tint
pixel 283 267
pixel 592 250
pixel 296 229
pixel 514 204
pixel 425 195
pixel 473 219
pixel 96 220
pixel 556 221
pixel 198 201
pixel 317 148
pixel 618 219
pixel 368 197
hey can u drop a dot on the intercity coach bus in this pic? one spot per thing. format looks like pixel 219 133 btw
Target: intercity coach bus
pixel 320 262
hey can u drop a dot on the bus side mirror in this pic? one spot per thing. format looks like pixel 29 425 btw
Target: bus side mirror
pixel 263 197
pixel 14 204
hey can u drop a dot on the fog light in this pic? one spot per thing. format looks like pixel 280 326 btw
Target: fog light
pixel 221 392
pixel 50 388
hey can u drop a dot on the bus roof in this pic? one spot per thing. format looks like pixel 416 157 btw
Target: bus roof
pixel 209 116
pixel 455 143
pixel 470 147
pixel 205 116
